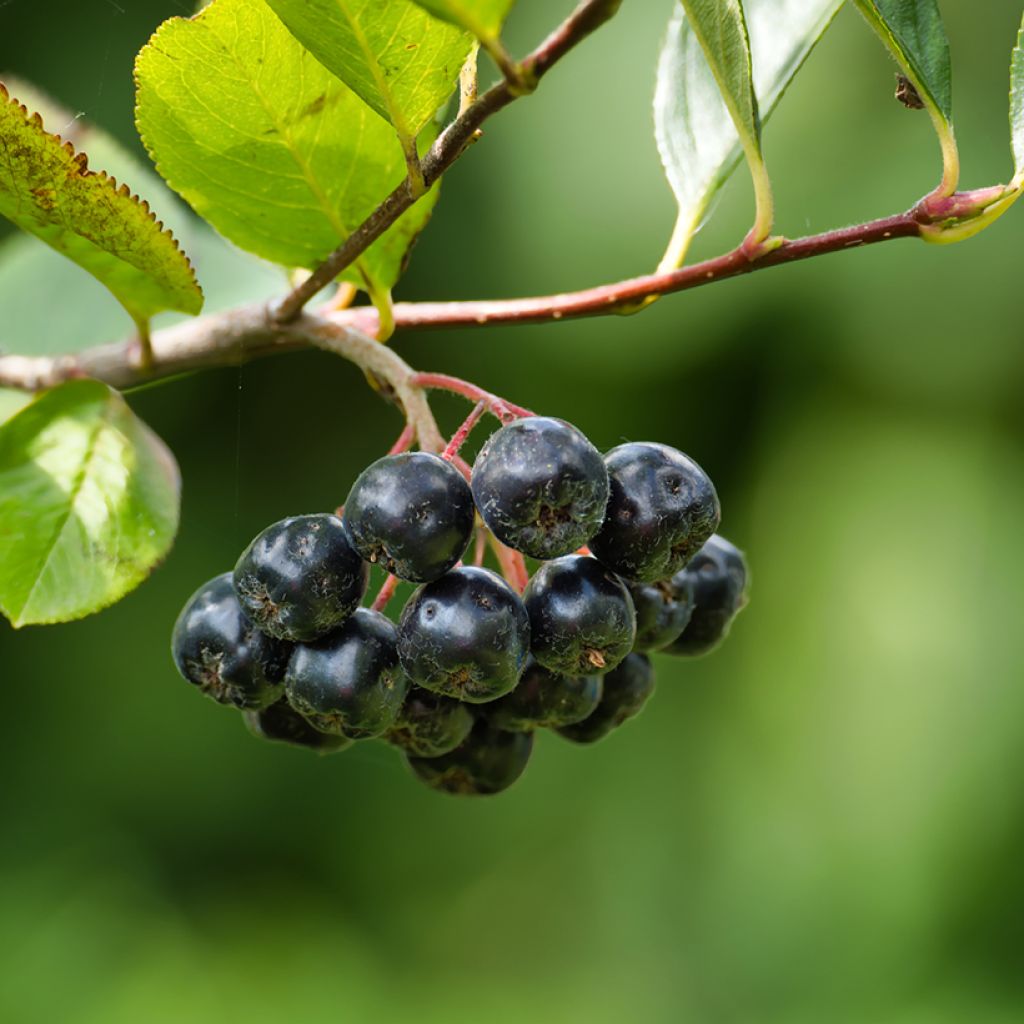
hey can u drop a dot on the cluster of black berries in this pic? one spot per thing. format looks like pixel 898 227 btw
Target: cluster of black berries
pixel 472 668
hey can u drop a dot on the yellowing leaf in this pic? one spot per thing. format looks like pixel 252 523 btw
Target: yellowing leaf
pixel 46 188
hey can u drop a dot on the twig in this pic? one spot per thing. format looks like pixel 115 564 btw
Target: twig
pixel 460 435
pixel 588 16
pixel 500 408
pixel 384 595
pixel 249 332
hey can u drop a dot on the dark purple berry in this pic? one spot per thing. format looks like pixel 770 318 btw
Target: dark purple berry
pixel 300 578
pixel 541 487
pixel 582 620
pixel 281 723
pixel 349 682
pixel 217 648
pixel 429 725
pixel 412 514
pixel 719 578
pixel 486 762
pixel 465 635
pixel 662 610
pixel 662 508
pixel 545 699
pixel 626 690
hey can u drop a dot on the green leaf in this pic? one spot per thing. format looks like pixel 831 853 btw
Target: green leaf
pixel 12 401
pixel 721 30
pixel 266 144
pixel 1017 105
pixel 31 272
pixel 483 18
pixel 400 60
pixel 89 500
pixel 46 188
pixel 913 32
pixel 698 140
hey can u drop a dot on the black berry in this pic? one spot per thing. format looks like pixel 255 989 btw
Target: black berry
pixel 662 610
pixel 300 578
pixel 626 690
pixel 541 487
pixel 429 725
pixel 488 761
pixel 412 514
pixel 465 635
pixel 545 699
pixel 281 723
pixel 661 509
pixel 719 577
pixel 217 648
pixel 349 682
pixel 582 620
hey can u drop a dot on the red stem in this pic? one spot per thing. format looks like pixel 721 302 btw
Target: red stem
pixel 480 545
pixel 405 440
pixel 513 567
pixel 384 595
pixel 460 435
pixel 630 295
pixel 499 407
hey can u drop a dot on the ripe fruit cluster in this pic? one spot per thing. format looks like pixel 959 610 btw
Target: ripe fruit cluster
pixel 629 564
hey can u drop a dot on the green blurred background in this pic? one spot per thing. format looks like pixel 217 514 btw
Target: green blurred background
pixel 821 823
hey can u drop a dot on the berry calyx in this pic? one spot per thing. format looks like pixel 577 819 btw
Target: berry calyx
pixel 662 507
pixel 488 761
pixel 545 699
pixel 300 578
pixel 412 514
pixel 281 723
pixel 349 682
pixel 626 691
pixel 582 620
pixel 663 610
pixel 541 487
pixel 429 725
pixel 216 647
pixel 465 635
pixel 719 577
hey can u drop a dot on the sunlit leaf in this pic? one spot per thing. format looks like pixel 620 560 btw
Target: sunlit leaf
pixel 266 144
pixel 400 60
pixel 698 140
pixel 12 401
pixel 46 188
pixel 89 500
pixel 483 18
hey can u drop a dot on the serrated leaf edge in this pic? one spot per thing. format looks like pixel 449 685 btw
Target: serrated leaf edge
pixel 120 189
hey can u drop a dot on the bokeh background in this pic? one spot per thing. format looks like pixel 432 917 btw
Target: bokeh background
pixel 821 822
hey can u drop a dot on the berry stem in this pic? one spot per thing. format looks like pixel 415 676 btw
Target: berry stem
pixel 480 545
pixel 498 407
pixel 384 595
pixel 405 440
pixel 460 435
pixel 513 566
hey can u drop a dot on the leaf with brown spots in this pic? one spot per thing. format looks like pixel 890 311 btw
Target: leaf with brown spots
pixel 47 189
